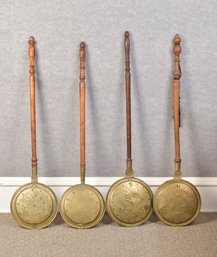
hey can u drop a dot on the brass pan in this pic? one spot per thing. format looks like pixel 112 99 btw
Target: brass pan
pixel 177 202
pixel 33 205
pixel 129 200
pixel 82 206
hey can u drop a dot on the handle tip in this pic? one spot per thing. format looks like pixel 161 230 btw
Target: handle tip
pixel 177 48
pixel 177 39
pixel 126 34
pixel 82 44
pixel 127 43
pixel 31 40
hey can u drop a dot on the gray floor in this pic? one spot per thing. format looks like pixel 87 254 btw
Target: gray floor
pixel 110 240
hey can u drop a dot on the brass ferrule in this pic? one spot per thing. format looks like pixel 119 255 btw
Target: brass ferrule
pixel 82 172
pixel 34 174
pixel 177 169
pixel 129 170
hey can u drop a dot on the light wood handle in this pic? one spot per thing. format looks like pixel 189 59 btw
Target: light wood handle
pixel 176 97
pixel 128 94
pixel 82 110
pixel 32 100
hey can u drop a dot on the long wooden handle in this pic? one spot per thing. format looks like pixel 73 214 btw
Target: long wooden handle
pixel 128 94
pixel 82 111
pixel 32 105
pixel 176 99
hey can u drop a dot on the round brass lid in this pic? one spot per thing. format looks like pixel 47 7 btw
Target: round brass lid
pixel 82 206
pixel 177 203
pixel 34 206
pixel 129 202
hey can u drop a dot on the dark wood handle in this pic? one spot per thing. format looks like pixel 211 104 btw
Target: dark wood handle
pixel 128 94
pixel 176 96
pixel 82 103
pixel 32 98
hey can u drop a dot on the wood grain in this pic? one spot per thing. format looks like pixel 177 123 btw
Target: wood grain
pixel 82 103
pixel 176 96
pixel 32 98
pixel 128 94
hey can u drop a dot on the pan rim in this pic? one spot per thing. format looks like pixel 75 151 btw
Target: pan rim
pixel 95 221
pixel 109 195
pixel 33 226
pixel 196 193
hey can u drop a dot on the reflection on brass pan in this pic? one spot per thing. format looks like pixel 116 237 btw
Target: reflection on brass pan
pixel 177 202
pixel 129 200
pixel 33 205
pixel 82 206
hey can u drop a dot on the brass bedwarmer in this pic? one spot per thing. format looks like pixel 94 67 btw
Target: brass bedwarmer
pixel 129 200
pixel 82 206
pixel 33 205
pixel 177 202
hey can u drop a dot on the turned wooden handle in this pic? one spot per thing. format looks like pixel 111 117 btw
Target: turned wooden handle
pixel 82 103
pixel 176 96
pixel 128 93
pixel 32 98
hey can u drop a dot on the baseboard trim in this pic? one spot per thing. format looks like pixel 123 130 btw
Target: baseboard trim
pixel 207 187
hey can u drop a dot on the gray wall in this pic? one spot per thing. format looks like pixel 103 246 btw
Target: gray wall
pixel 58 27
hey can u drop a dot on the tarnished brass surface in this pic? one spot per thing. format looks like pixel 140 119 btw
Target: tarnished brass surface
pixel 129 168
pixel 82 206
pixel 129 202
pixel 34 206
pixel 177 202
